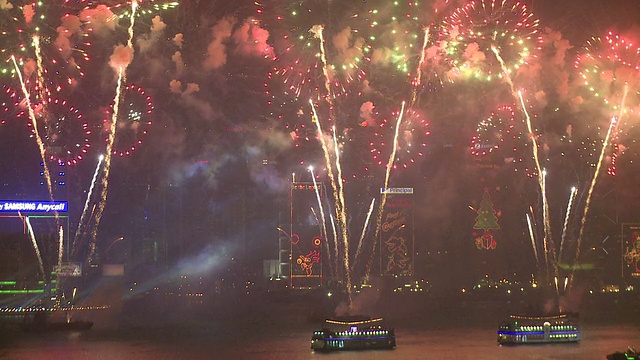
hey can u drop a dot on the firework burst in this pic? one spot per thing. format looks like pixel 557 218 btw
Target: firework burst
pixel 298 63
pixel 468 36
pixel 134 120
pixel 66 134
pixel 606 66
pixel 499 139
pixel 62 45
pixel 413 133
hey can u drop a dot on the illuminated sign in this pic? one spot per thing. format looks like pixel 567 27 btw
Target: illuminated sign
pixel 33 206
pixel 303 186
pixel 396 233
pixel 396 191
pixel 68 269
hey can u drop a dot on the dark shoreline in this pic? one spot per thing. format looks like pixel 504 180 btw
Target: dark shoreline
pixel 304 310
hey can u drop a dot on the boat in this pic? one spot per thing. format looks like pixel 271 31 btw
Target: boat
pixel 353 333
pixel 630 354
pixel 561 328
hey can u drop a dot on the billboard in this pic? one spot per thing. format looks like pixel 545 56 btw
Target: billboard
pixel 69 269
pixel 396 232
pixel 306 235
pixel 32 206
pixel 631 251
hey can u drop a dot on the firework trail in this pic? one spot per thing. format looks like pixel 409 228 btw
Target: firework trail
pixel 86 204
pixel 315 216
pixel 32 236
pixel 335 239
pixel 34 122
pixel 386 184
pixel 339 169
pixel 60 245
pixel 112 135
pixel 364 230
pixel 107 168
pixel 336 196
pixel 533 238
pixel 317 30
pixel 40 67
pixel 605 145
pixel 60 280
pixel 417 82
pixel 343 212
pixel 545 208
pixel 322 215
pixel 541 182
pixel 518 96
pixel 548 239
pixel 532 136
pixel 572 197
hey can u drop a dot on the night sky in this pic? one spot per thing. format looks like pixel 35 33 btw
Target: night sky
pixel 226 131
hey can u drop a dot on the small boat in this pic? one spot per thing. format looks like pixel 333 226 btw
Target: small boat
pixel 630 354
pixel 353 333
pixel 562 328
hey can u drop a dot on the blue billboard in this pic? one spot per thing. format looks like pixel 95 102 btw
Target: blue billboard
pixel 33 206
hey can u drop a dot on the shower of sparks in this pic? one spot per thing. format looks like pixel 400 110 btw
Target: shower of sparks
pixel 86 204
pixel 364 230
pixel 322 215
pixel 34 123
pixel 572 197
pixel 112 136
pixel 533 238
pixel 32 236
pixel 386 184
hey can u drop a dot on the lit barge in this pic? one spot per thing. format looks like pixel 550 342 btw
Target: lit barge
pixel 539 329
pixel 353 334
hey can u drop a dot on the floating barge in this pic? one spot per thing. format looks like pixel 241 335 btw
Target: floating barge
pixel 355 333
pixel 562 328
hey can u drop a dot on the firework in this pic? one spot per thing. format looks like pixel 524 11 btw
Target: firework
pixel 145 8
pixel 386 182
pixel 62 45
pixel 532 237
pixel 121 59
pixel 395 35
pixel 499 139
pixel 605 145
pixel 66 134
pixel 19 23
pixel 298 60
pixel 413 133
pixel 567 216
pixel 85 209
pixel 364 231
pixel 34 122
pixel 468 35
pixel 322 213
pixel 606 66
pixel 134 120
pixel 36 248
pixel 9 105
